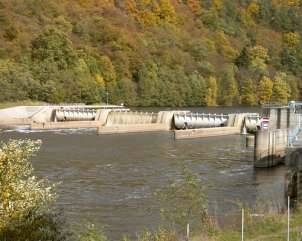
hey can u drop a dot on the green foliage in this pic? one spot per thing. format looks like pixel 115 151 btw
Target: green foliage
pixel 229 94
pixel 281 90
pixel 92 234
pixel 248 97
pixel 146 52
pixel 265 90
pixel 25 199
pixel 184 202
pixel 161 235
pixel 16 82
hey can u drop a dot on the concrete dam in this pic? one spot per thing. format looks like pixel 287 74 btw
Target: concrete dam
pixel 110 119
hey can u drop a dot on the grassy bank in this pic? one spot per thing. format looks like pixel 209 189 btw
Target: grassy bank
pixel 18 103
pixel 271 227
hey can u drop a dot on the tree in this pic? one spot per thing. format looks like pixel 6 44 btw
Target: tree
pixel 291 40
pixel 281 91
pixel 53 45
pixel 148 86
pixel 258 57
pixel 211 97
pixel 265 90
pixel 184 201
pixel 248 96
pixel 16 82
pixel 24 199
pixel 229 94
pixel 166 12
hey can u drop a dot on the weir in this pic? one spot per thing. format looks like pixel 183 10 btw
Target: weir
pixel 109 119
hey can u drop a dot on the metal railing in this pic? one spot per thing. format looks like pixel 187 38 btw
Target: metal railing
pixel 294 132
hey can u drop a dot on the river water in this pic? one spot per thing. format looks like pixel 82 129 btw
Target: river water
pixel 109 180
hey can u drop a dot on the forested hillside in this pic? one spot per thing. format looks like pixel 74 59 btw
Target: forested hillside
pixel 151 52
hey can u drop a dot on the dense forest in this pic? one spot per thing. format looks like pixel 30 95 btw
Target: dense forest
pixel 151 52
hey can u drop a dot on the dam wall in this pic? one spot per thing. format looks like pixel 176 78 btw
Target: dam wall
pixel 270 147
pixel 130 118
pixel 130 121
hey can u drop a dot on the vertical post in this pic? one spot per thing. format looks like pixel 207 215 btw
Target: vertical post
pixel 107 97
pixel 288 216
pixel 242 224
pixel 188 232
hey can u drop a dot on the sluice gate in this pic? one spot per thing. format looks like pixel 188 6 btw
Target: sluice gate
pixel 75 114
pixel 131 118
pixel 199 120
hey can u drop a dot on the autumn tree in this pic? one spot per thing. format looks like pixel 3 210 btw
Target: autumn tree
pixel 212 90
pixel 248 97
pixel 264 90
pixel 281 91
pixel 24 198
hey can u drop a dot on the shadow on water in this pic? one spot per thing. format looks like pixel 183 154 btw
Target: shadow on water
pixel 110 180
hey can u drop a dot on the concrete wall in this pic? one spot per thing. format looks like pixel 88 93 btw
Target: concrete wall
pixel 130 118
pixel 270 147
pixel 118 129
pixel 205 132
pixel 64 125
pixel 281 118
pixel 128 122
pixel 20 115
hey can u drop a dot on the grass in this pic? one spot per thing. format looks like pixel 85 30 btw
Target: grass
pixel 18 103
pixel 272 227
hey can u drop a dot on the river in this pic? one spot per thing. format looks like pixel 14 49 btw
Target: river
pixel 109 180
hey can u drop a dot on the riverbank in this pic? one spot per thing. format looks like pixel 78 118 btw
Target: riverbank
pixel 271 227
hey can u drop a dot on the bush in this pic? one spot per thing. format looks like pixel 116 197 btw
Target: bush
pixel 25 199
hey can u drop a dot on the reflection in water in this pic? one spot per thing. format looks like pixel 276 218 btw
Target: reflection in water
pixel 110 180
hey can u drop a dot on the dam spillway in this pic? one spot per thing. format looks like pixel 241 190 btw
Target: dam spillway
pixel 109 119
pixel 199 120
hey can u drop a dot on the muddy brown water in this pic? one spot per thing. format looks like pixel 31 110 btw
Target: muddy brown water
pixel 109 180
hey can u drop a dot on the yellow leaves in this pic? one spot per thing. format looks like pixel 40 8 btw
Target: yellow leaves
pixel 131 6
pixel 100 80
pixel 246 19
pixel 248 14
pixel 218 4
pixel 265 90
pixel 20 192
pixel 291 40
pixel 166 12
pixel 258 51
pixel 253 8
pixel 258 56
pixel 281 90
pixel 152 13
pixel 194 5
pixel 223 46
pixel 211 97
pixel 291 3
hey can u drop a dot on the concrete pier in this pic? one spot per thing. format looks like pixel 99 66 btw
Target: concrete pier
pixel 270 147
